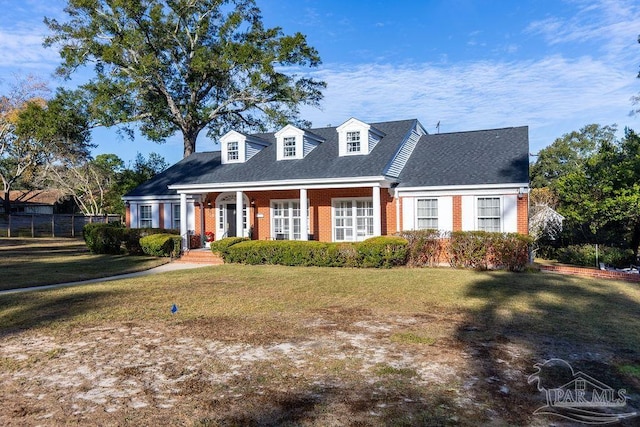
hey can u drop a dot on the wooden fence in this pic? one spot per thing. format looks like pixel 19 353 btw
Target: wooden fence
pixel 58 225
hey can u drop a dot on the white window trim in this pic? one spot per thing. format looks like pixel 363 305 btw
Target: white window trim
pixel 477 216
pixel 173 216
pixel 354 209
pixel 417 218
pixel 140 218
pixel 289 131
pixel 290 217
pixel 349 142
pixel 230 137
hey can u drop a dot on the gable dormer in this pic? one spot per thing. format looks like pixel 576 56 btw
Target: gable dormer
pixel 237 147
pixel 357 138
pixel 294 143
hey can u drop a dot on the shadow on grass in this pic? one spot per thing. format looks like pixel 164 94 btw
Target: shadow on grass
pixel 593 325
pixel 33 310
pixel 356 404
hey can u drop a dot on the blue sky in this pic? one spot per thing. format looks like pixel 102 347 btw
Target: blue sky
pixel 552 65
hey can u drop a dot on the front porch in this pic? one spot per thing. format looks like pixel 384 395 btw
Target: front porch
pixel 328 215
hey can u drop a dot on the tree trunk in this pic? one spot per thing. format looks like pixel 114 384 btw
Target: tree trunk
pixel 6 203
pixel 189 138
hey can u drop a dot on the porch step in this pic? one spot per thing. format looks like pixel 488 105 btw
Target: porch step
pixel 200 256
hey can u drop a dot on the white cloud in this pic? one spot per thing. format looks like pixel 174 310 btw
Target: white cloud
pixel 552 95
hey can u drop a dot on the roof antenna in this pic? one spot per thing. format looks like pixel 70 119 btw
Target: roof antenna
pixel 438 126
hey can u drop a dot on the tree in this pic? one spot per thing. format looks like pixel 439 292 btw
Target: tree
pixel 603 196
pixel 86 180
pixel 568 153
pixel 185 65
pixel 34 131
pixel 127 179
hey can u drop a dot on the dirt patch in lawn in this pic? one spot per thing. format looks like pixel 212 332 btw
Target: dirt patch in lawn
pixel 337 367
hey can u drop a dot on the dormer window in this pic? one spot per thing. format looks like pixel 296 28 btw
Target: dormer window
pixel 237 147
pixel 294 143
pixel 233 153
pixel 357 138
pixel 353 142
pixel 289 146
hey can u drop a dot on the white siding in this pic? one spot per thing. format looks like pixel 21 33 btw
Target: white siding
pixel 167 215
pixel 155 215
pixel 408 213
pixel 510 213
pixel 403 154
pixel 373 141
pixel 191 216
pixel 469 213
pixel 445 213
pixel 133 212
pixel 308 145
pixel 252 149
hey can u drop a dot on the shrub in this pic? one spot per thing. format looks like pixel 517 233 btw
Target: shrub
pixel 481 250
pixel 377 252
pixel 132 237
pixel 221 246
pixel 469 249
pixel 165 245
pixel 383 251
pixel 586 255
pixel 425 247
pixel 510 251
pixel 103 238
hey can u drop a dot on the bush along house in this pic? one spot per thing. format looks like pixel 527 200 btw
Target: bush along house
pixel 345 183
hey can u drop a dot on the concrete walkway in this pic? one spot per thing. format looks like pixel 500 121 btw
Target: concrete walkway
pixel 172 266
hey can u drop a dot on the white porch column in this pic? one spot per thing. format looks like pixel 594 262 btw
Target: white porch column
pixel 183 222
pixel 304 235
pixel 239 228
pixel 377 216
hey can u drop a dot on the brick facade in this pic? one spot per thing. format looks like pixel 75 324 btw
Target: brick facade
pixel 523 214
pixel 457 213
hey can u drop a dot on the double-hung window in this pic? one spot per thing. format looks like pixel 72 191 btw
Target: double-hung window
pixel 145 218
pixel 427 214
pixel 233 151
pixel 175 212
pixel 353 142
pixel 289 147
pixel 489 214
pixel 353 220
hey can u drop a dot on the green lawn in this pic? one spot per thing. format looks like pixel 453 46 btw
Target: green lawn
pixel 271 345
pixel 42 261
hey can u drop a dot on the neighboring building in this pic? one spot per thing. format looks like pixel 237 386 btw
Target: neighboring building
pixel 38 202
pixel 355 181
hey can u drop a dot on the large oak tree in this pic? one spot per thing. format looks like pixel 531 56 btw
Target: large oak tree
pixel 186 65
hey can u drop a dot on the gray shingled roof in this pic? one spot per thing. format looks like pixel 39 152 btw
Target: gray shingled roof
pixel 463 158
pixel 495 156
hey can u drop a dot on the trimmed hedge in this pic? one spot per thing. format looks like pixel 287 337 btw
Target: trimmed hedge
pixel 164 245
pixel 376 252
pixel 132 237
pixel 383 251
pixel 103 238
pixel 221 246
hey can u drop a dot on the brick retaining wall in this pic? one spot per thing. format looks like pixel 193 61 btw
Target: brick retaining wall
pixel 591 272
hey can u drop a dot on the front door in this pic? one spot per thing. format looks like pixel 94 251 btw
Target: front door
pixel 231 220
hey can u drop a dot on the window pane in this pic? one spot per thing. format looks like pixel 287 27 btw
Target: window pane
pixel 427 214
pixel 289 147
pixel 353 142
pixel 489 214
pixel 176 217
pixel 232 151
